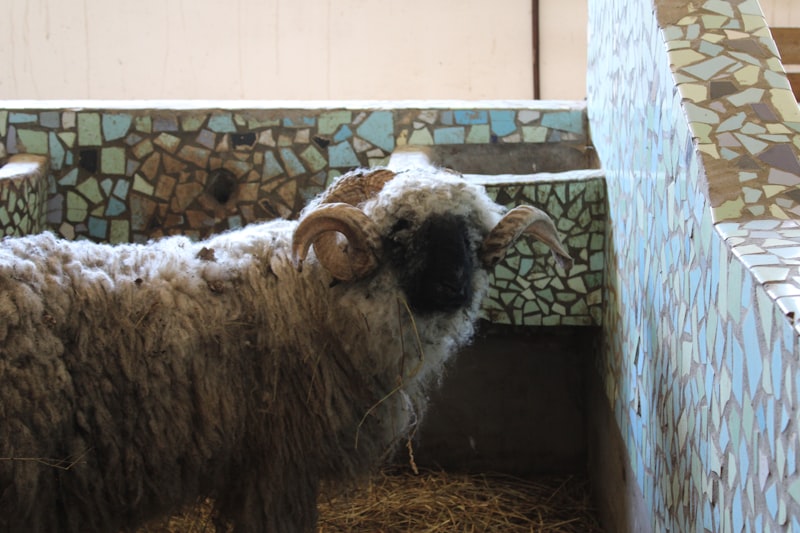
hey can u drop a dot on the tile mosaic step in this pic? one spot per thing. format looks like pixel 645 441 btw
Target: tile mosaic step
pixel 23 189
pixel 514 158
pixel 770 250
pixel 131 171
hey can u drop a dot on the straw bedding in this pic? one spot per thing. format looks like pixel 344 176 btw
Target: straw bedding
pixel 437 502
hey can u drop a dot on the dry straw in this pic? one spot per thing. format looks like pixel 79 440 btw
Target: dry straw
pixel 435 501
pixel 438 502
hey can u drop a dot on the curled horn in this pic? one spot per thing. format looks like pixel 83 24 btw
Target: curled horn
pixel 333 252
pixel 357 187
pixel 358 259
pixel 530 221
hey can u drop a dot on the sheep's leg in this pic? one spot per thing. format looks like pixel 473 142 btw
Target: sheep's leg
pixel 265 506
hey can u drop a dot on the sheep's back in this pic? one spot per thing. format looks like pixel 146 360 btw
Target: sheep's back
pixel 123 360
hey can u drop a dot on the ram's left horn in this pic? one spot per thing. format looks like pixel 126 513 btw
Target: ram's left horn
pixel 355 257
pixel 523 219
pixel 358 186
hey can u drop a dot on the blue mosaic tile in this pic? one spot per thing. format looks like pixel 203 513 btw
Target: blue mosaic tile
pixel 121 189
pixel 468 117
pixel 291 163
pixel 271 166
pixel 221 123
pixel 378 129
pixel 564 120
pixel 57 152
pixel 21 118
pixel 503 122
pixel 342 156
pixel 115 208
pixel 98 228
pixel 116 126
pixel 343 134
pixel 50 119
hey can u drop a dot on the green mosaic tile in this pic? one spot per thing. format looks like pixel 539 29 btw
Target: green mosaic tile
pixel 90 189
pixel 143 123
pixel 478 134
pixel 421 137
pixel 32 142
pixel 112 160
pixel 77 207
pixel 89 129
pixel 329 122
pixel 140 184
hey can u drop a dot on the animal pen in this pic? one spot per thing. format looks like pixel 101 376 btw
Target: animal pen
pixel 652 386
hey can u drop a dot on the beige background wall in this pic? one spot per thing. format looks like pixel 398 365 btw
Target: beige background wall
pixel 562 49
pixel 266 49
pixel 288 49
pixel 781 12
pixel 297 49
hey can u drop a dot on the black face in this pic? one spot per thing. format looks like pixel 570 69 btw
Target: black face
pixel 434 265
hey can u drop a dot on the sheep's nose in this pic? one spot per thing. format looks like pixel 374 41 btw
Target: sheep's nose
pixel 450 289
pixel 451 294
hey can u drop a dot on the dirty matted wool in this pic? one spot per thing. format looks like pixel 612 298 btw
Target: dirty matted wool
pixel 135 379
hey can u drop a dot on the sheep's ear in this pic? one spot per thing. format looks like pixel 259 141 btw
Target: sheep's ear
pixel 523 219
pixel 350 258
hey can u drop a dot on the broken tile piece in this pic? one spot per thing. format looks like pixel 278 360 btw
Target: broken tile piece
pixel 781 156
pixel 116 125
pixel 718 89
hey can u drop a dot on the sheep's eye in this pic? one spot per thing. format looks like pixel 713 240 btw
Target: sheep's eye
pixel 401 225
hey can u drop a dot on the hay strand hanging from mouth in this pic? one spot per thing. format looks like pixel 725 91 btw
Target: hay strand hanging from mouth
pixel 401 380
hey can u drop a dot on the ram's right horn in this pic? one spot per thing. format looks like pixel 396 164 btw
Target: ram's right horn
pixel 348 259
pixel 353 189
pixel 523 219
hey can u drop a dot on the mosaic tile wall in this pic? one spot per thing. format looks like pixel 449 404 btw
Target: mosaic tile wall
pixel 698 135
pixel 121 174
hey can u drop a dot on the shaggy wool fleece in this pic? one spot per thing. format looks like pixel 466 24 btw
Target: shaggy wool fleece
pixel 135 379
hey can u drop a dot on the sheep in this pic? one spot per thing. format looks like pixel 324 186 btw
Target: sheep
pixel 248 368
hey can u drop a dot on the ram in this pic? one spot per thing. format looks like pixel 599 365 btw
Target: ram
pixel 246 368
